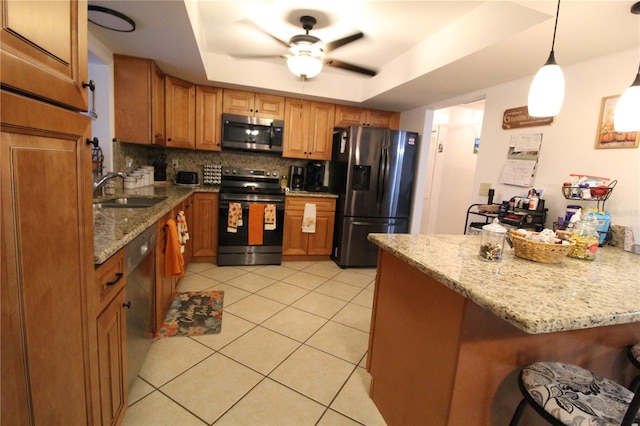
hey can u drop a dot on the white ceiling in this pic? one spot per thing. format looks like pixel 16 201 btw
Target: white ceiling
pixel 425 52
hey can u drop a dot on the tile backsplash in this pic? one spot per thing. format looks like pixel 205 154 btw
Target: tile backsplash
pixel 194 161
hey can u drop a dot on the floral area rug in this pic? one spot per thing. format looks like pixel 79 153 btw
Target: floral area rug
pixel 194 314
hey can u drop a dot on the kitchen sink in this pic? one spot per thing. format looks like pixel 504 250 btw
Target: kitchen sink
pixel 130 202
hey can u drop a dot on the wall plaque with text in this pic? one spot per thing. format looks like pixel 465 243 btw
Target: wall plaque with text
pixel 516 118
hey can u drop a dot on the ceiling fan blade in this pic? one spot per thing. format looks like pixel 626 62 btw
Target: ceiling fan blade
pixel 349 67
pixel 341 42
pixel 263 31
pixel 251 56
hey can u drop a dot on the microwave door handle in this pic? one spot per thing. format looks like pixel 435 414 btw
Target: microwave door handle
pixel 272 134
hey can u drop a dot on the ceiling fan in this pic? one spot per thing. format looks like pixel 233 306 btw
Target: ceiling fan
pixel 307 52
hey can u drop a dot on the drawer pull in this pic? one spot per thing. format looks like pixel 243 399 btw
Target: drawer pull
pixel 119 276
pixel 127 305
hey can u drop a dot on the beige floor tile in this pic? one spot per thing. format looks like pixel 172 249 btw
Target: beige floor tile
pixel 294 323
pixel 313 373
pixel 139 390
pixel 223 273
pixel 338 290
pixel 319 304
pixel 171 356
pixel 324 269
pixel 231 294
pixel 366 271
pixel 251 282
pixel 364 298
pixel 196 282
pixel 212 387
pixel 354 401
pixel 355 316
pixel 283 292
pixel 199 267
pixel 249 268
pixel 363 363
pixel 349 276
pixel 260 349
pixel 156 409
pixel 232 328
pixel 270 403
pixel 276 272
pixel 342 341
pixel 297 265
pixel 255 308
pixel 305 280
pixel 331 418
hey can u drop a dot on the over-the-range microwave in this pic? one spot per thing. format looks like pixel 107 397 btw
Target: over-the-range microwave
pixel 252 133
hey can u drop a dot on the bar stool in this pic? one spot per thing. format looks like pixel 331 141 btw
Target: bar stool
pixel 565 394
pixel 633 353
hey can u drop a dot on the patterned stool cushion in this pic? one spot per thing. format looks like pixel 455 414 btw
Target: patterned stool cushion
pixel 576 396
pixel 635 352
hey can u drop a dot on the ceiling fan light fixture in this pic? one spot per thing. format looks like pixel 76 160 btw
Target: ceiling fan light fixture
pixel 110 19
pixel 546 93
pixel 304 65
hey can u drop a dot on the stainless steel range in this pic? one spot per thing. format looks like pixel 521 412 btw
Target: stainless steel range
pixel 240 240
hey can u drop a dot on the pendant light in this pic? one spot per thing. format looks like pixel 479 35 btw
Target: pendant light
pixel 547 89
pixel 626 117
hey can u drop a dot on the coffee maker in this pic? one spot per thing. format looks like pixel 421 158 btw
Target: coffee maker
pixel 315 177
pixel 296 178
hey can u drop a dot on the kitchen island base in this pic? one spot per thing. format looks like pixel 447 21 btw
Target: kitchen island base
pixel 438 358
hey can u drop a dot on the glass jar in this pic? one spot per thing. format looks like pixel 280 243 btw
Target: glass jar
pixel 585 235
pixel 492 241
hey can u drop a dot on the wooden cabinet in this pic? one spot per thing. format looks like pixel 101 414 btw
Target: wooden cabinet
pixel 308 130
pixel 253 104
pixel 208 118
pixel 204 231
pixel 297 243
pixel 139 112
pixel 43 47
pixel 48 344
pixel 352 116
pixel 111 326
pixel 180 114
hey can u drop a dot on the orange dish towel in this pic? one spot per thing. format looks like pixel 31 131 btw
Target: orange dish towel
pixel 256 222
pixel 269 217
pixel 173 260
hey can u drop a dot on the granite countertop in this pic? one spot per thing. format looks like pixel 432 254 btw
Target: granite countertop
pixel 114 228
pixel 535 297
pixel 311 194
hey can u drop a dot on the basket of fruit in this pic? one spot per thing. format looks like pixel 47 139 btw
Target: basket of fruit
pixel 544 247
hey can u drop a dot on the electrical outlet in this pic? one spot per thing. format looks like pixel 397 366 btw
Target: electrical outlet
pixel 484 189
pixel 175 164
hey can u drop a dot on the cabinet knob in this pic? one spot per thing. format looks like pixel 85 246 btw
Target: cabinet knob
pixel 91 85
pixel 168 139
pixel 127 305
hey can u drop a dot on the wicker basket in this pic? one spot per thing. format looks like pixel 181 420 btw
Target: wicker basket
pixel 539 251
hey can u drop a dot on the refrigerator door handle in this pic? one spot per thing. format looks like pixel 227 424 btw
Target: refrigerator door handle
pixel 380 178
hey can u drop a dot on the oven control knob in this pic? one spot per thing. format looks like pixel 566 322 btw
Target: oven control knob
pixel 268 173
pixel 234 171
pixel 275 173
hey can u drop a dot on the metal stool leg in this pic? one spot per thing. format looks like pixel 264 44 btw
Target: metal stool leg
pixel 518 413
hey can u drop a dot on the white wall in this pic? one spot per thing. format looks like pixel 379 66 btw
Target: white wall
pixel 567 145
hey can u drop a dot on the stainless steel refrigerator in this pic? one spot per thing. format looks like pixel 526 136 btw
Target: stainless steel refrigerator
pixel 372 171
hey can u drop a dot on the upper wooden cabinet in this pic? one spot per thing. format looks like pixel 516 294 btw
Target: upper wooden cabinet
pixel 208 118
pixel 139 100
pixel 352 116
pixel 308 131
pixel 180 113
pixel 44 50
pixel 253 104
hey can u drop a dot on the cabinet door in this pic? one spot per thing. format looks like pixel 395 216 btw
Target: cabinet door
pixel 294 241
pixel 269 106
pixel 320 136
pixel 321 241
pixel 350 116
pixel 111 328
pixel 180 114
pixel 208 118
pixel 45 52
pixel 296 130
pixel 157 106
pixel 47 271
pixel 238 102
pixel 164 285
pixel 384 119
pixel 205 225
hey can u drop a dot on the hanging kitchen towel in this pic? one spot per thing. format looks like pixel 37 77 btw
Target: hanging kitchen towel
pixel 183 231
pixel 270 217
pixel 309 219
pixel 256 222
pixel 173 260
pixel 235 217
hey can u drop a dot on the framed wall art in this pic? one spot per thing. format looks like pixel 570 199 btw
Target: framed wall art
pixel 606 136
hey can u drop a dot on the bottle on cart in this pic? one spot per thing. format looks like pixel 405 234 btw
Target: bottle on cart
pixel 586 236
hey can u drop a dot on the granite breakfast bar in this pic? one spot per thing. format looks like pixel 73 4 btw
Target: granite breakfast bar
pixel 450 331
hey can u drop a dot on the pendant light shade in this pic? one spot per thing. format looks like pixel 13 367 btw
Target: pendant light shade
pixel 626 117
pixel 546 93
pixel 304 65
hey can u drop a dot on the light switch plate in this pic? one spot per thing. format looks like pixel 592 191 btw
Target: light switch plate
pixel 484 189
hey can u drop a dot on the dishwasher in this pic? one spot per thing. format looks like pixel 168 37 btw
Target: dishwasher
pixel 140 272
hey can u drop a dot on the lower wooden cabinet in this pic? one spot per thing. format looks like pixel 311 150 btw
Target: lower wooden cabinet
pixel 204 231
pixel 297 243
pixel 111 329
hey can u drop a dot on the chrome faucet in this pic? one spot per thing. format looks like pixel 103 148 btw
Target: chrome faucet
pixel 97 185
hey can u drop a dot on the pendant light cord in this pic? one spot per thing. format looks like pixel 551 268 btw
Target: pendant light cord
pixel 555 27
